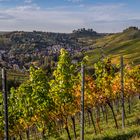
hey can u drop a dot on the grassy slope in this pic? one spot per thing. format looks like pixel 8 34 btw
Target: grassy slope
pixel 126 43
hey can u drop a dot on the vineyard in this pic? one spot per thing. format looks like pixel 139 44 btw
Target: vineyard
pixel 49 107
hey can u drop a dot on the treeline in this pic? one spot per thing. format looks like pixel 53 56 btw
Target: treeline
pixel 46 105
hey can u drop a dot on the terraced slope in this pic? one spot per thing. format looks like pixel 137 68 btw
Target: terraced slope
pixel 126 43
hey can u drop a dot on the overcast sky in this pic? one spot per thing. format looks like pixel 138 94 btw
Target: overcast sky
pixel 67 15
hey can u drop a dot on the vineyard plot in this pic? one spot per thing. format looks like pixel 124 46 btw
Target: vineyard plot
pixel 48 107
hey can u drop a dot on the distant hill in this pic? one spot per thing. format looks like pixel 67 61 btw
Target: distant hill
pixel 126 43
pixel 18 49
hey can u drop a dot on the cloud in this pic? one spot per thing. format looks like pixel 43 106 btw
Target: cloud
pixel 30 8
pixel 74 1
pixel 103 18
pixel 28 1
pixel 4 16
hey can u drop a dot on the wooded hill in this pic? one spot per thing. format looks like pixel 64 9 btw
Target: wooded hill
pixel 18 50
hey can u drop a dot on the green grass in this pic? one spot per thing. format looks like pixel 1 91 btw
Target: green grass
pixel 109 132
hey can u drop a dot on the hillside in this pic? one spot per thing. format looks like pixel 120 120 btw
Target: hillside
pixel 18 50
pixel 126 43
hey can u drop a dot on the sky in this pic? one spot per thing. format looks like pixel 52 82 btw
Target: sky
pixel 67 15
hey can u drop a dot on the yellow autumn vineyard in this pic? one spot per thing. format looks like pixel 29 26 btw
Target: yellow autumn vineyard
pixel 47 106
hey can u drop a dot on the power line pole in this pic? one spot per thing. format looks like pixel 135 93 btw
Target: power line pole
pixel 122 92
pixel 4 90
pixel 82 101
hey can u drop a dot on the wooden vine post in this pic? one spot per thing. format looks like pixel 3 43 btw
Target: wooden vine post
pixel 122 92
pixel 82 101
pixel 4 90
